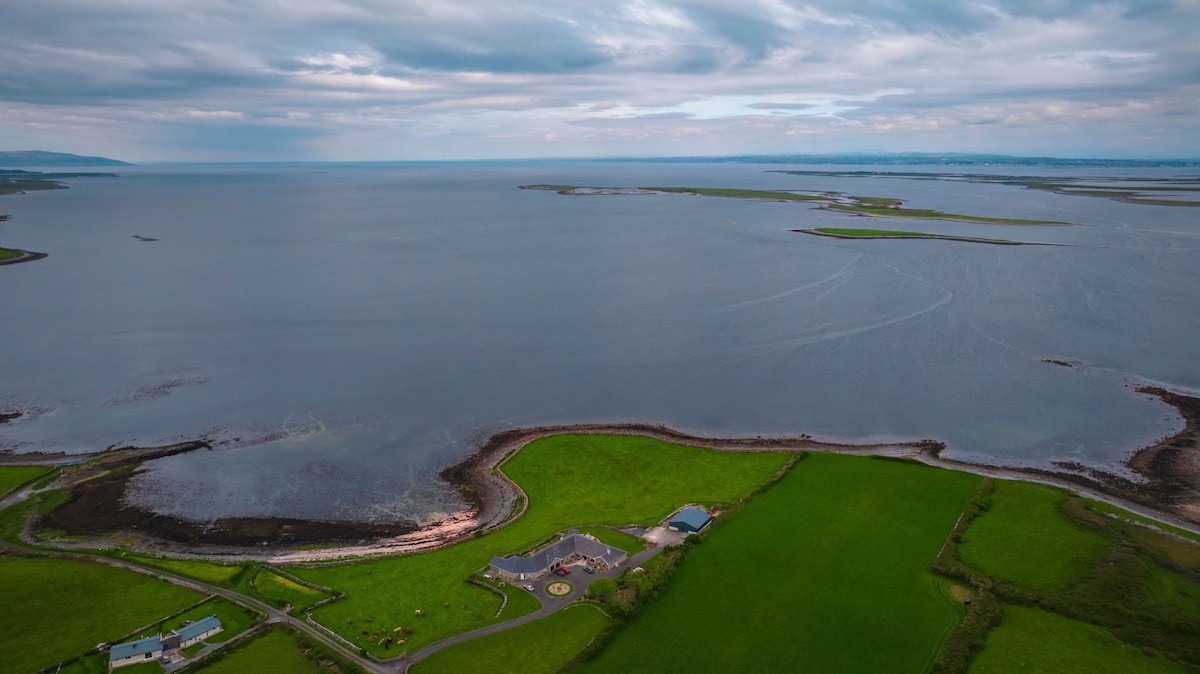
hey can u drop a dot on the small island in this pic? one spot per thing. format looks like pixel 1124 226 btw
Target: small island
pixel 834 201
pixel 839 233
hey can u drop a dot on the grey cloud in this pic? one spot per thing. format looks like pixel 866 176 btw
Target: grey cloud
pixel 768 105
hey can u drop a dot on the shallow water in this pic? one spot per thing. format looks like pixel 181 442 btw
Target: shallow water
pixel 368 324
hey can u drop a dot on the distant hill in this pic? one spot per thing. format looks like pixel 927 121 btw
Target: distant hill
pixel 38 158
pixel 917 159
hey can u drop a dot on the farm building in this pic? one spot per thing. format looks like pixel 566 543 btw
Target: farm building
pixel 574 547
pixel 197 631
pixel 133 652
pixel 690 520
pixel 145 650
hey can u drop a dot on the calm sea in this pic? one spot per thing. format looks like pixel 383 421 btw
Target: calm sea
pixel 352 329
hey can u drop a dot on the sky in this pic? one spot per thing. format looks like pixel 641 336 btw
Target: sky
pixel 368 80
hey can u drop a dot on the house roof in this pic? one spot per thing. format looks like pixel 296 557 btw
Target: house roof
pixel 199 627
pixel 696 518
pixel 139 647
pixel 573 544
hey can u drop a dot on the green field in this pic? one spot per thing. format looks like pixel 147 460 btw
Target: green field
pixel 618 539
pixel 8 254
pixel 277 651
pixel 540 647
pixel 825 571
pixel 209 572
pixel 279 591
pixel 12 477
pixel 1024 538
pixel 571 481
pixel 80 604
pixel 1031 640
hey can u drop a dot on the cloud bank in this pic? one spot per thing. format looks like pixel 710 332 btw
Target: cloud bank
pixel 417 79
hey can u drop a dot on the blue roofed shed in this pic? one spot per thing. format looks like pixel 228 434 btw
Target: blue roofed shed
pixel 133 652
pixel 198 631
pixel 690 520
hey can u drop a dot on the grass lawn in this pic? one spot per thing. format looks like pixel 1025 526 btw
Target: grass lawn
pixel 618 539
pixel 279 591
pixel 1020 644
pixel 7 254
pixel 571 481
pixel 234 619
pixel 825 571
pixel 209 572
pixel 541 647
pixel 276 651
pixel 81 604
pixel 1023 538
pixel 12 477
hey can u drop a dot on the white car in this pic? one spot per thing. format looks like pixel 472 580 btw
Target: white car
pixel 528 587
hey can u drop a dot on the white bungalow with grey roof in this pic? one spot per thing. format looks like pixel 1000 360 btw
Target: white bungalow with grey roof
pixel 574 547
pixel 690 520
pixel 133 652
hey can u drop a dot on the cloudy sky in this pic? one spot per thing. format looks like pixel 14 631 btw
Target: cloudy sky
pixel 447 79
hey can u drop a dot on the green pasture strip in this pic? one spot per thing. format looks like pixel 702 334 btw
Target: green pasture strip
pixel 827 570
pixel 12 477
pixel 216 573
pixel 280 591
pixel 8 253
pixel 571 481
pixel 540 647
pixel 1024 538
pixel 56 609
pixel 1121 513
pixel 1035 641
pixel 277 650
pixel 618 539
pixel 871 232
pixel 930 213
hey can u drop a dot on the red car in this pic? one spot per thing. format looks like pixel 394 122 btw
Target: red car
pixel 562 571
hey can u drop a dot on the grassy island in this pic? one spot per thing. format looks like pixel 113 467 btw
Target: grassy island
pixel 841 233
pixel 837 201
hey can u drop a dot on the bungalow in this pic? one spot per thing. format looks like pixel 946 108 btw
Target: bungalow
pixel 145 650
pixel 690 520
pixel 196 632
pixel 574 547
pixel 133 652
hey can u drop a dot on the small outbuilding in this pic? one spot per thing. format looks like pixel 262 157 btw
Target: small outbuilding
pixel 133 652
pixel 690 520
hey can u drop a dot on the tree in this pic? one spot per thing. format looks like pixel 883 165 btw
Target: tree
pixel 603 589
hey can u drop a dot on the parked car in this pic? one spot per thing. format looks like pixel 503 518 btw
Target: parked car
pixel 528 587
pixel 564 570
pixel 560 572
pixel 588 569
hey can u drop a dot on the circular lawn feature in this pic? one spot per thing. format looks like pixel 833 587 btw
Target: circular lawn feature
pixel 559 589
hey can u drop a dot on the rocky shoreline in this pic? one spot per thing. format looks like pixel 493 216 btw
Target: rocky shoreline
pixel 1168 491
